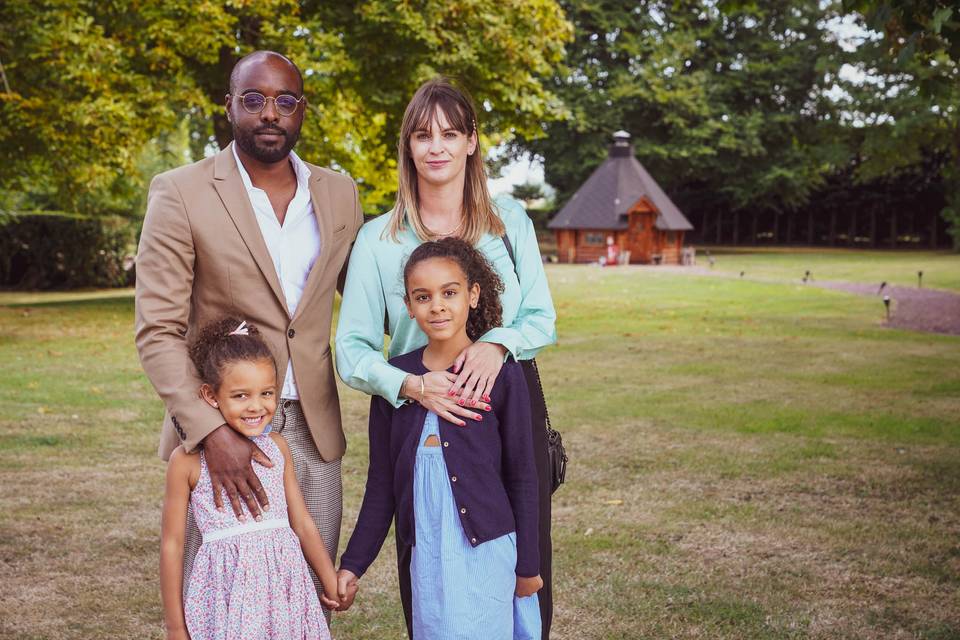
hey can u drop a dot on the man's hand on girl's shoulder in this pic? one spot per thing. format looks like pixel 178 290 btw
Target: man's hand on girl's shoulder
pixel 528 586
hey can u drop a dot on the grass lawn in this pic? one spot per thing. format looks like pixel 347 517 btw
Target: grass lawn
pixel 750 460
pixel 941 269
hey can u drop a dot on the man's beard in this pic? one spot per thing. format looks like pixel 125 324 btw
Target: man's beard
pixel 246 139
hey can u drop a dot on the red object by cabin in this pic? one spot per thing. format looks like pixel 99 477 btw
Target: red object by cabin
pixel 620 199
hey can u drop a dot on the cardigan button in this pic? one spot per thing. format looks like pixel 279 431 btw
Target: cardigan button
pixel 291 333
pixel 463 510
pixel 446 444
pixel 453 478
pixel 473 541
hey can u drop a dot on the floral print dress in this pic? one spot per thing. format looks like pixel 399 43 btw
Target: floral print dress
pixel 250 580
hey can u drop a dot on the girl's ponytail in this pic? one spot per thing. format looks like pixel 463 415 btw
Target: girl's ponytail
pixel 229 339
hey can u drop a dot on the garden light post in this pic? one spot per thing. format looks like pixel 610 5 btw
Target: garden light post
pixel 886 303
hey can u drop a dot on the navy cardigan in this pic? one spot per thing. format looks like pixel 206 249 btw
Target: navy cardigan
pixel 492 471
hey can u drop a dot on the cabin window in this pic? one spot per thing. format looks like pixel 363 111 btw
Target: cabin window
pixel 594 238
pixel 671 237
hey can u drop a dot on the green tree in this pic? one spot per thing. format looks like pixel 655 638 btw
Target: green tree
pixel 91 84
pixel 528 192
pixel 726 107
pixel 926 26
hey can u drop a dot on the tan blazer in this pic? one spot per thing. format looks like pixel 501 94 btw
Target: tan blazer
pixel 201 256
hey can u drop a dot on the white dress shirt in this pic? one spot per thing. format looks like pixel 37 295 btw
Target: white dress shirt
pixel 293 247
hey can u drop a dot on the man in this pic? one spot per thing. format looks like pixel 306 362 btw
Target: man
pixel 256 231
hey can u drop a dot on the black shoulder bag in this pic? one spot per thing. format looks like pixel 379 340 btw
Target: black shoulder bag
pixel 558 455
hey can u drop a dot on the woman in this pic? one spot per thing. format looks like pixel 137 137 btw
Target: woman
pixel 443 193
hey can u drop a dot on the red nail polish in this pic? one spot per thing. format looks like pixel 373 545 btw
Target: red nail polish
pixel 460 402
pixel 486 408
pixel 486 398
pixel 478 418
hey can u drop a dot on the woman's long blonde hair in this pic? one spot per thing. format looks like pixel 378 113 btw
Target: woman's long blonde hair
pixel 479 216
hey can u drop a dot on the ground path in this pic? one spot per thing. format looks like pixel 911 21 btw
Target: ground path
pixel 913 308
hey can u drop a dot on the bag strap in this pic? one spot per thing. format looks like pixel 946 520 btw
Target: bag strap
pixel 533 361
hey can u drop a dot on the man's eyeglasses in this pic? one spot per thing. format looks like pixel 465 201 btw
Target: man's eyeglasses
pixel 254 103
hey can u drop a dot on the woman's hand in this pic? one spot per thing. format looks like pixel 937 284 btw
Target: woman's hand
pixel 528 586
pixel 347 587
pixel 478 365
pixel 438 397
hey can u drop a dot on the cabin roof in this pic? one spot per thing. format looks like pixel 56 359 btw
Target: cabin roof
pixel 602 202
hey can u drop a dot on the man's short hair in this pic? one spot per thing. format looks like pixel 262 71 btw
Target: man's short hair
pixel 261 55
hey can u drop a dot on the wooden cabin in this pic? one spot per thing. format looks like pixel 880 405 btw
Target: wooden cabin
pixel 620 200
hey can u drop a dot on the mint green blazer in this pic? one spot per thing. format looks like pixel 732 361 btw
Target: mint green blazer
pixel 374 291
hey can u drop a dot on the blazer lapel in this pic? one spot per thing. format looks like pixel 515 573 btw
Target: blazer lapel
pixel 233 194
pixel 320 199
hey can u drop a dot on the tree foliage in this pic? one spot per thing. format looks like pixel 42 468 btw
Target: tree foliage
pixel 92 85
pixel 926 26
pixel 528 192
pixel 746 106
pixel 728 105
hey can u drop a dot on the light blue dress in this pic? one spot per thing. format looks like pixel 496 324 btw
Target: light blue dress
pixel 460 592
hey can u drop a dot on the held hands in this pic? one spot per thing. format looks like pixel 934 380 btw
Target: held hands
pixel 347 586
pixel 528 586
pixel 228 457
pixel 330 591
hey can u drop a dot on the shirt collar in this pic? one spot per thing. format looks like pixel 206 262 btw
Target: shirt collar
pixel 300 168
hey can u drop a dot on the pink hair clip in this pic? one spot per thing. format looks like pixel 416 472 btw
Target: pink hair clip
pixel 241 330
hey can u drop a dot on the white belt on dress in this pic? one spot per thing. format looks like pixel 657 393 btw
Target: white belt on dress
pixel 247 527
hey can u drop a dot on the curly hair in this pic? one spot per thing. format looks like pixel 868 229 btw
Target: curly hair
pixel 216 346
pixel 489 311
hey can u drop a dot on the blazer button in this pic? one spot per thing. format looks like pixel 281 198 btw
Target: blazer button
pixel 446 444
pixel 291 333
pixel 453 478
pixel 463 510
pixel 473 541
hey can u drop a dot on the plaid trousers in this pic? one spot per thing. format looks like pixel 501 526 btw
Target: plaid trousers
pixel 320 483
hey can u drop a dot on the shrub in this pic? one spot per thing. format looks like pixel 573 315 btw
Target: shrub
pixel 55 250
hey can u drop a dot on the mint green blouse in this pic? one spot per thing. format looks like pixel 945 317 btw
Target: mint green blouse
pixel 374 290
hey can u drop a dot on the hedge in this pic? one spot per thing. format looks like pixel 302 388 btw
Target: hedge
pixel 57 250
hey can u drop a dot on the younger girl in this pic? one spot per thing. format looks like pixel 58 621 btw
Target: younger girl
pixel 465 498
pixel 249 581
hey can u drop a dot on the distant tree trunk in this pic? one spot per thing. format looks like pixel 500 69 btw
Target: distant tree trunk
pixel 873 226
pixel 810 227
pixel 753 228
pixel 736 228
pixel 933 230
pixel 703 226
pixel 893 229
pixel 852 233
pixel 833 227
pixel 790 216
pixel 719 226
pixel 776 227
